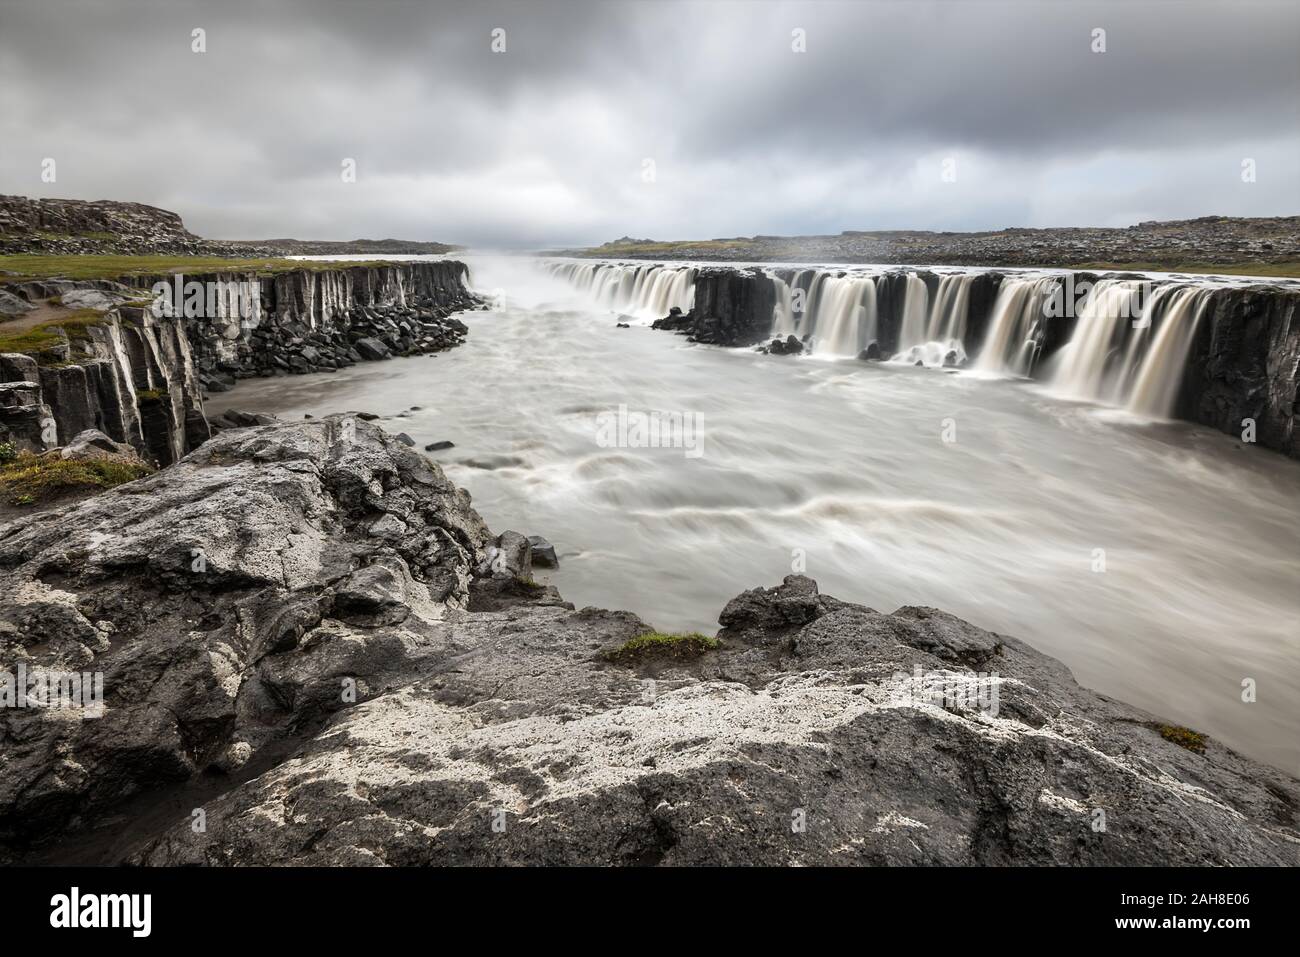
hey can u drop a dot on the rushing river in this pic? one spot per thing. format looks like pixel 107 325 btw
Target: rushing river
pixel 844 467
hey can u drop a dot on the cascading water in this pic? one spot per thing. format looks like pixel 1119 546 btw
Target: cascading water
pixel 934 336
pixel 1155 393
pixel 916 300
pixel 648 292
pixel 845 319
pixel 1128 348
pixel 948 317
pixel 783 322
pixel 1087 364
pixel 1009 346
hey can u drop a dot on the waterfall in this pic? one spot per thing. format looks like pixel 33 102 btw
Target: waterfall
pixel 1128 347
pixel 916 299
pixel 783 312
pixel 1155 393
pixel 1009 346
pixel 647 291
pixel 1087 363
pixel 845 320
pixel 948 317
pixel 932 331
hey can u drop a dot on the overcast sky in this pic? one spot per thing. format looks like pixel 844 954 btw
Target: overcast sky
pixel 547 143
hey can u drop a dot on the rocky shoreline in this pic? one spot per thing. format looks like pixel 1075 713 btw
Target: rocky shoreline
pixel 313 651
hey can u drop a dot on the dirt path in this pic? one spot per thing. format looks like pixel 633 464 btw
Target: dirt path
pixel 44 312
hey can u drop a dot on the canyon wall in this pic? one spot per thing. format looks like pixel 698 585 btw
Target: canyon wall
pixel 140 378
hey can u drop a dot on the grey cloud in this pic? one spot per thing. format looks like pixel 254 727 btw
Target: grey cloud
pixel 544 144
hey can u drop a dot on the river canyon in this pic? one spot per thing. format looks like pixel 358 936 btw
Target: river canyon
pixel 1035 487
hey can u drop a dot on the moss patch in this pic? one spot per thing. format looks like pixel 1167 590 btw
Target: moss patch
pixel 656 644
pixel 29 478
pixel 1183 737
pixel 74 327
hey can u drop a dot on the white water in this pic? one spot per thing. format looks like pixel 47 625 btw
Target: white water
pixel 916 302
pixel 846 462
pixel 1156 391
pixel 647 292
pixel 845 317
pixel 1017 313
pixel 1086 365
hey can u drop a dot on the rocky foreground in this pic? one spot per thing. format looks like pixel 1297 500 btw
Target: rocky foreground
pixel 314 652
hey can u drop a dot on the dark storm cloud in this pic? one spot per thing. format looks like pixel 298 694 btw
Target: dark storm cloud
pixel 546 142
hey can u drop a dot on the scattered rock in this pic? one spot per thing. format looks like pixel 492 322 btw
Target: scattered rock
pixel 542 552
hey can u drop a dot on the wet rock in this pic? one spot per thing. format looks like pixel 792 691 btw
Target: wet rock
pixel 371 349
pixel 542 552
pixel 790 346
pixel 439 446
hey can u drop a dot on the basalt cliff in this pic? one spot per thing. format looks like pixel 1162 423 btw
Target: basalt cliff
pixel 313 651
pixel 97 355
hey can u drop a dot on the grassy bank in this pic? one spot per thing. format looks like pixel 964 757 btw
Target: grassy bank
pixel 20 266
pixel 29 479
pixel 718 250
pixel 48 335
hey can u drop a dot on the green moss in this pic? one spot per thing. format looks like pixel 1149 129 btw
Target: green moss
pixel 657 644
pixel 74 327
pixel 1183 737
pixel 152 395
pixel 30 478
pixel 1286 269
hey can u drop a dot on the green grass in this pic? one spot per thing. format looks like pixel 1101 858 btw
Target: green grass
pixel 657 644
pixel 29 478
pixel 7 453
pixel 33 266
pixel 1289 269
pixel 74 327
pixel 1183 737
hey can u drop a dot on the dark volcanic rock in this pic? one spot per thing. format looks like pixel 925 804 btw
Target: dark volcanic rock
pixel 542 552
pixel 290 640
pixel 732 308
